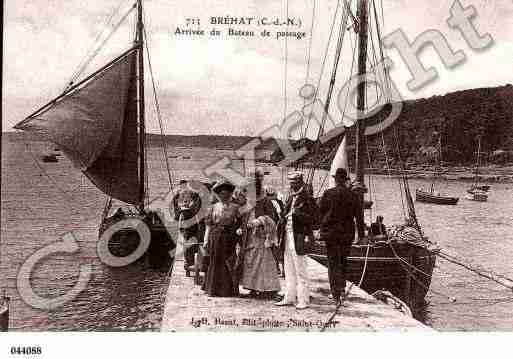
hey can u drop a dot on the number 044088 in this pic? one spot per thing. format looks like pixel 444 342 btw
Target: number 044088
pixel 35 350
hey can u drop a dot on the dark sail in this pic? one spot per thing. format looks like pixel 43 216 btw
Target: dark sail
pixel 96 127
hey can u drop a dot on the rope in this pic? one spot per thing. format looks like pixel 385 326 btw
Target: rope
pixel 346 293
pixel 332 316
pixel 449 258
pixel 403 181
pixel 159 115
pixel 490 276
pixel 333 150
pixel 380 45
pixel 338 51
pixel 323 63
pixel 396 137
pixel 412 276
pixel 323 182
pixel 106 208
pixel 387 162
pixel 408 263
pixel 307 76
pixel 286 63
pixel 369 179
pixel 310 42
pixel 99 48
pixel 374 66
pixel 325 114
pixel 364 267
pixel 326 51
pixel 76 73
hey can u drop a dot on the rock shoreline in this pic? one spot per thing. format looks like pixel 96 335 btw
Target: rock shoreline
pixel 491 174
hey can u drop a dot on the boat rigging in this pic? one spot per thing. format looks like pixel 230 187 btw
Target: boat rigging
pixel 99 123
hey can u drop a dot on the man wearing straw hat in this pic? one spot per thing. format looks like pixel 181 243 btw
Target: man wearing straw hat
pixel 338 210
pixel 299 217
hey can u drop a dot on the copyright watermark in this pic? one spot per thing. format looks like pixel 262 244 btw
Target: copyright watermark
pixel 313 114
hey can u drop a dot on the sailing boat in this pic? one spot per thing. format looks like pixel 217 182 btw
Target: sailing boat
pixel 478 192
pixel 432 196
pixel 402 262
pixel 99 124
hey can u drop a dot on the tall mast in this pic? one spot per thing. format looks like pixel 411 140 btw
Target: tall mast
pixel 142 130
pixel 476 177
pixel 360 104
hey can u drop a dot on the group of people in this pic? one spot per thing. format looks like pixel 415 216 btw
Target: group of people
pixel 251 244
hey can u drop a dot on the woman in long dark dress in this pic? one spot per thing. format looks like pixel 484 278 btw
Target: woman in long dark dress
pixel 221 239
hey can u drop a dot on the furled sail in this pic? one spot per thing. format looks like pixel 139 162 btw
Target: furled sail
pixel 96 126
pixel 339 161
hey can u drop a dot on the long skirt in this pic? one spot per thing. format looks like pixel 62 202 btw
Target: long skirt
pixel 221 279
pixel 260 271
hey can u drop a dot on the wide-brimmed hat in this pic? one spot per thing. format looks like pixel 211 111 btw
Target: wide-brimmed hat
pixel 341 173
pixel 295 176
pixel 223 185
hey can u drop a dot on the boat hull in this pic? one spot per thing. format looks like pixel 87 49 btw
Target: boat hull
pixel 427 197
pixel 478 197
pixel 50 158
pixel 385 271
pixel 125 241
pixel 483 187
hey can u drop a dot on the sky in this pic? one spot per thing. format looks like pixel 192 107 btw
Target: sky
pixel 226 84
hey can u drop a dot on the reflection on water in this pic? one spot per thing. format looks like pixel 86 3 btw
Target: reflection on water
pixel 40 207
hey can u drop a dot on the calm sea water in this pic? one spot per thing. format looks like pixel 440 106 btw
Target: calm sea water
pixel 43 201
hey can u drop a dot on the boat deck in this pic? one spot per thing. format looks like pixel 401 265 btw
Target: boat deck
pixel 187 308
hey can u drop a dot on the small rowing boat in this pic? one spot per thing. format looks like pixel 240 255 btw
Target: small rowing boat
pixel 434 197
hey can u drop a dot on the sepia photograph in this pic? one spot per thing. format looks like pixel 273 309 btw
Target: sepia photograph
pixel 341 166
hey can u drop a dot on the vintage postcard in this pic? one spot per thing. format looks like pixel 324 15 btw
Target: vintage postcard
pixel 256 166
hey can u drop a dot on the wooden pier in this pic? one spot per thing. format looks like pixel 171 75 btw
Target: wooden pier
pixel 187 308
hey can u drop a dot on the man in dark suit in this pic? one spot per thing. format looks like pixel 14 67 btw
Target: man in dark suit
pixel 278 208
pixel 339 208
pixel 298 230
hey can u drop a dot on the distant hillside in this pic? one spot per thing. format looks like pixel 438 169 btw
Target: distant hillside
pixel 458 118
pixel 263 150
pixel 208 141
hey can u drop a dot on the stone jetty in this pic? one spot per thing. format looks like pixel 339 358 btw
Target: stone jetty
pixel 187 308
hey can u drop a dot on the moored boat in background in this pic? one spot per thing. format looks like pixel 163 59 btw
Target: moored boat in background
pixel 483 187
pixel 434 197
pixel 50 158
pixel 478 192
pixel 477 195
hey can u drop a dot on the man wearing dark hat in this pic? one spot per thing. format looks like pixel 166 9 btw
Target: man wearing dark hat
pixel 339 208
pixel 186 204
pixel 299 217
